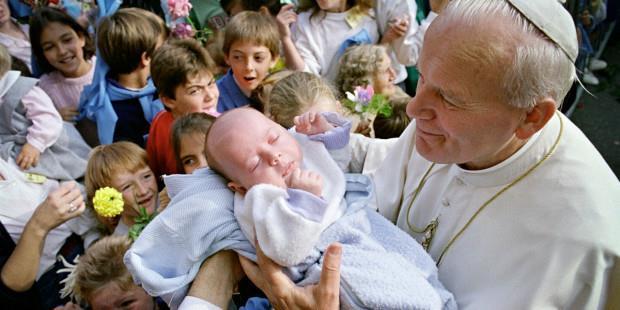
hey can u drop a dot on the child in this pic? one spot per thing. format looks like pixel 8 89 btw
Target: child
pixel 188 139
pixel 64 52
pixel 123 166
pixel 251 47
pixel 325 29
pixel 32 134
pixel 124 102
pixel 393 126
pixel 296 94
pixel 183 74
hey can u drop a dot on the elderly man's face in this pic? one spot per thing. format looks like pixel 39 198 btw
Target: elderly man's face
pixel 460 114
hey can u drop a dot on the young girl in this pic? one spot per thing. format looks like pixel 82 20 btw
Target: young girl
pixel 64 52
pixel 32 134
pixel 297 93
pixel 188 140
pixel 325 29
pixel 123 166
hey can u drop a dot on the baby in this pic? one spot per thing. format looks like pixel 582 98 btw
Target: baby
pixel 278 176
pixel 293 200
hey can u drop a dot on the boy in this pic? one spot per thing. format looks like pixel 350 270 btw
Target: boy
pixel 123 101
pixel 183 75
pixel 281 203
pixel 251 48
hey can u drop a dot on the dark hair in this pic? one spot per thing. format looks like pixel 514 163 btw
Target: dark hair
pixel 393 126
pixel 177 61
pixel 40 19
pixel 196 122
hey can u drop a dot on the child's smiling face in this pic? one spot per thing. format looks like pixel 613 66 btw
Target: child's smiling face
pixel 62 47
pixel 250 64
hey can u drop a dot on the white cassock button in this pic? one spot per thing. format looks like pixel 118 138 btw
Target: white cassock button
pixel 445 202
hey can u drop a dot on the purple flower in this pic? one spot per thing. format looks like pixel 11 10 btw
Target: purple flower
pixel 183 30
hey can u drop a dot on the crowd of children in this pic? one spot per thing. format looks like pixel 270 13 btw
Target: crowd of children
pixel 138 105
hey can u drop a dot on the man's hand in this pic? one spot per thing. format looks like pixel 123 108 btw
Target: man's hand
pixel 307 180
pixel 311 123
pixel 28 157
pixel 282 292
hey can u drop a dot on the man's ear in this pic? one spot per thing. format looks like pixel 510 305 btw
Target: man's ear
pixel 237 188
pixel 536 118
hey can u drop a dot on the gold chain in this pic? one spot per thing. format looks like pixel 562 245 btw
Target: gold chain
pixel 429 230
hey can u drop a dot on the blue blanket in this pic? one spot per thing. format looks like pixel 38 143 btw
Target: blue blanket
pixel 382 267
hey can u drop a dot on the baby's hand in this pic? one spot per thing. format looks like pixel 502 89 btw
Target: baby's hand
pixel 311 123
pixel 28 157
pixel 307 180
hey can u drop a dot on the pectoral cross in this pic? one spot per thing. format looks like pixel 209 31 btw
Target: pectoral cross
pixel 429 233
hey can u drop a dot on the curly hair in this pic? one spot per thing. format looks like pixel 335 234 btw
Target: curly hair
pixel 358 65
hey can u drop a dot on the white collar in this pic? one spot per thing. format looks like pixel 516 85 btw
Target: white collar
pixel 508 170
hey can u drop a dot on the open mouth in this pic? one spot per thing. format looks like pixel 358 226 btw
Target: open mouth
pixel 67 60
pixel 249 79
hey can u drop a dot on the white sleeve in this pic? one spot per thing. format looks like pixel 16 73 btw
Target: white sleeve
pixel 367 154
pixel 389 178
pixel 195 303
pixel 283 233
pixel 306 45
pixel 46 122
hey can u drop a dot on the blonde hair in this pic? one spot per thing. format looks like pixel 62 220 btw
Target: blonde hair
pixel 260 95
pixel 358 66
pixel 101 264
pixel 253 27
pixel 5 60
pixel 106 161
pixel 124 36
pixel 295 94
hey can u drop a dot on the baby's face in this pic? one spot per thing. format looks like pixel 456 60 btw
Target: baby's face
pixel 252 149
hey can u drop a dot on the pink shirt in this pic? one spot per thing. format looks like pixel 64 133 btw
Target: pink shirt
pixel 65 92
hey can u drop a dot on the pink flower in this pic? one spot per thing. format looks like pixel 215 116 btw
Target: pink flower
pixel 183 30
pixel 179 8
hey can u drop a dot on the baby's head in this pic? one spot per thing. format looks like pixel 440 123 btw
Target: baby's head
pixel 251 47
pixel 182 71
pixel 298 93
pixel 188 140
pixel 248 148
pixel 364 65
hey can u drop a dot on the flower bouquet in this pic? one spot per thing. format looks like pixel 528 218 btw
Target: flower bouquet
pixel 108 202
pixel 364 102
pixel 184 24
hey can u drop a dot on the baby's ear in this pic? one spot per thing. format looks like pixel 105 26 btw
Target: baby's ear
pixel 236 188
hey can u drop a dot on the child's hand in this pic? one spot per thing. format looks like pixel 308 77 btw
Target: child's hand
pixel 396 29
pixel 68 114
pixel 28 157
pixel 311 123
pixel 307 180
pixel 284 19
